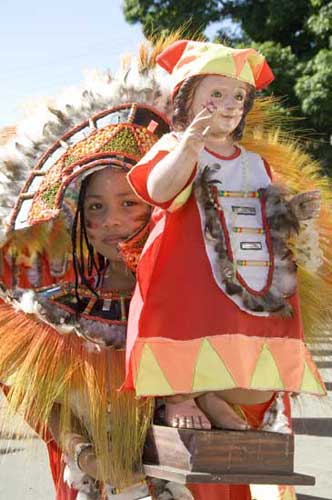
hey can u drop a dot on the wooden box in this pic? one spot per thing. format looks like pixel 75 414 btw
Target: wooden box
pixel 193 455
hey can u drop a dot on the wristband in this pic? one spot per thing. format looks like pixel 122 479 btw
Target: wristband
pixel 79 448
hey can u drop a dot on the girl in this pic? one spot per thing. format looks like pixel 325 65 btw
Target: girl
pixel 63 347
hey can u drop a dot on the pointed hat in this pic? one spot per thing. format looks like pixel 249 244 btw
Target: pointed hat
pixel 186 58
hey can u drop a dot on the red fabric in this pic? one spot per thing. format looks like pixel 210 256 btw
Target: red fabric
pixel 182 300
pixel 138 182
pixel 171 55
pixel 176 296
pixel 268 170
pixel 57 465
pixel 220 491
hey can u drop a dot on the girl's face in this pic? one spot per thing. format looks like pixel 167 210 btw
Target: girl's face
pixel 112 211
pixel 225 96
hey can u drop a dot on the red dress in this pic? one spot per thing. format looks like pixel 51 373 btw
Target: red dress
pixel 185 334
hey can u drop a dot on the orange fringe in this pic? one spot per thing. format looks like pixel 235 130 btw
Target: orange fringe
pixel 43 367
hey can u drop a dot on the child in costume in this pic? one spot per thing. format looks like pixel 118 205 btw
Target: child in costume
pixel 215 316
pixel 75 330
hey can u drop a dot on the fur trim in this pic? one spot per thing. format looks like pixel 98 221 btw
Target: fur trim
pixel 97 334
pixel 275 418
pixel 30 303
pixel 283 223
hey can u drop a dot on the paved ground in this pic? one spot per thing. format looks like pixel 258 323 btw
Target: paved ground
pixel 24 472
pixel 313 428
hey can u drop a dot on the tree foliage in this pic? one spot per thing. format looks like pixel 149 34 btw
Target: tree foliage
pixel 158 16
pixel 295 36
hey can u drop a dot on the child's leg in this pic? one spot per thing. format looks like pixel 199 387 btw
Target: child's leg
pixel 220 413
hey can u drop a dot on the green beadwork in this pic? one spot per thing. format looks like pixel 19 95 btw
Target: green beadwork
pixel 69 160
pixel 49 195
pixel 124 141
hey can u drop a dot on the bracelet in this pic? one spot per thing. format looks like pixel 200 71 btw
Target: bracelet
pixel 79 448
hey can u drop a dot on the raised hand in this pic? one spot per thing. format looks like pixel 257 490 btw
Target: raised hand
pixel 195 135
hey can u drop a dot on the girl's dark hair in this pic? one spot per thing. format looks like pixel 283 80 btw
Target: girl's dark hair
pixel 183 100
pixel 84 266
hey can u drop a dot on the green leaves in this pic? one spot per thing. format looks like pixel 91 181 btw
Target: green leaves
pixel 158 16
pixel 314 89
pixel 295 37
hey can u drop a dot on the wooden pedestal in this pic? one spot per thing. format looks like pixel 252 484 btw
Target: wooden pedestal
pixel 197 456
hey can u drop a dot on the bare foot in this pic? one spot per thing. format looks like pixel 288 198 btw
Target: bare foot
pixel 186 415
pixel 220 413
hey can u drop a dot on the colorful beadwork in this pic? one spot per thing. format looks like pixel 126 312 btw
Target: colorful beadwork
pixel 239 194
pixel 67 288
pixel 73 154
pixel 249 230
pixel 255 263
pixel 90 305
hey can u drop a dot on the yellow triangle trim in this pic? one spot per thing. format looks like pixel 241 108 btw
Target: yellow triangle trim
pixel 266 374
pixel 210 371
pixel 150 379
pixel 310 382
pixel 212 65
pixel 246 73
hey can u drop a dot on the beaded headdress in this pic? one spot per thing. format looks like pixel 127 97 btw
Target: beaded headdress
pixel 119 136
pixel 57 146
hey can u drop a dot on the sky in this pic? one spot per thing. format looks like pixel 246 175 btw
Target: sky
pixel 45 46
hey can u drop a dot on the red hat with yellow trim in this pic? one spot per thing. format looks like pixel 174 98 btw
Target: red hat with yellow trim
pixel 186 58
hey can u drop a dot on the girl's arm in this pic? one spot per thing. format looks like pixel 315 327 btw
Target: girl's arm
pixel 70 440
pixel 171 173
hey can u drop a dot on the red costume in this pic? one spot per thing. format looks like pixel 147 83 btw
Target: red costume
pixel 186 334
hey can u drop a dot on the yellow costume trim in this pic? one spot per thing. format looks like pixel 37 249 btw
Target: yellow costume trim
pixel 214 365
